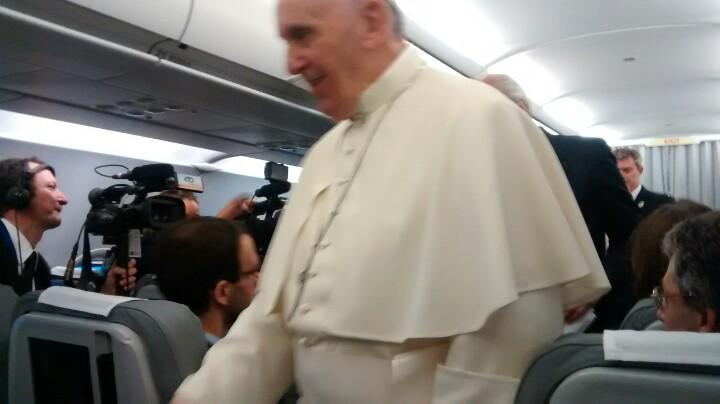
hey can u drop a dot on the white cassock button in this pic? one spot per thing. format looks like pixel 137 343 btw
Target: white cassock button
pixel 305 309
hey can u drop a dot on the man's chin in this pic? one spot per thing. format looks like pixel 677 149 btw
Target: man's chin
pixel 53 223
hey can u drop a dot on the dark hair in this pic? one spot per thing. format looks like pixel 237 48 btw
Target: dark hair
pixel 181 194
pixel 14 172
pixel 694 248
pixel 646 257
pixel 192 256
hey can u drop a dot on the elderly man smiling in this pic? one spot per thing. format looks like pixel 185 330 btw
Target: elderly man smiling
pixel 429 248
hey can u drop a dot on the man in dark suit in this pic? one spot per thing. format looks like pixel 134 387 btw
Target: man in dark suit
pixel 630 166
pixel 605 203
pixel 30 204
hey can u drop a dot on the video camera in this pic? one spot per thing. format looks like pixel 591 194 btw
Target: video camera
pixel 265 215
pixel 112 220
pixel 123 224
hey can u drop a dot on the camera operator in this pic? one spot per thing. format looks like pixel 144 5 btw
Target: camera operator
pixel 30 204
pixel 238 207
pixel 211 266
pixel 192 206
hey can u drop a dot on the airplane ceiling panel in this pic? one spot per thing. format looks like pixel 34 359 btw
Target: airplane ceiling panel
pixel 31 40
pixel 602 78
pixel 102 120
pixel 9 67
pixel 67 88
pixel 240 31
pixel 613 68
pixel 165 17
pixel 266 137
pixel 617 60
pixel 175 82
pixel 278 157
pixel 6 96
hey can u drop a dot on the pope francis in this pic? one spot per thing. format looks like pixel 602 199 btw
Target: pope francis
pixel 430 247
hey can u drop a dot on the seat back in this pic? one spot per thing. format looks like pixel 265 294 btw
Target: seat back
pixel 641 316
pixel 136 351
pixel 574 370
pixel 147 288
pixel 8 299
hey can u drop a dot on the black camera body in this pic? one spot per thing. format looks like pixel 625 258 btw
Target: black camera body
pixel 266 214
pixel 114 221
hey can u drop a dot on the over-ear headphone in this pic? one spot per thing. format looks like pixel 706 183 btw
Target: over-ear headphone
pixel 19 195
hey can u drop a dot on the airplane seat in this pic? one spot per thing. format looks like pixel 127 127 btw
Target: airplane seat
pixel 641 316
pixel 602 369
pixel 69 345
pixel 147 288
pixel 8 299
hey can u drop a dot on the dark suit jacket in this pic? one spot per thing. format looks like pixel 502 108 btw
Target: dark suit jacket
pixel 648 201
pixel 607 208
pixel 604 201
pixel 9 273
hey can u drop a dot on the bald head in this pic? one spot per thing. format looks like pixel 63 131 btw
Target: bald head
pixel 506 85
pixel 339 46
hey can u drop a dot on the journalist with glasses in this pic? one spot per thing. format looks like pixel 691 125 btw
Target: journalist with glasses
pixel 689 298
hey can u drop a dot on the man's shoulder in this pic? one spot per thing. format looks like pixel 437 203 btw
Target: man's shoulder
pixel 457 91
pixel 587 149
pixel 579 142
pixel 646 194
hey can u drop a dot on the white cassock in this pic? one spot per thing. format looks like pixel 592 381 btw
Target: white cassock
pixel 425 257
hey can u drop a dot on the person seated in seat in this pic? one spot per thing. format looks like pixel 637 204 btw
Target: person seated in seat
pixel 646 255
pixel 210 265
pixel 689 298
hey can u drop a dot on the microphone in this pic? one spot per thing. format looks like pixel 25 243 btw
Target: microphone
pixel 153 177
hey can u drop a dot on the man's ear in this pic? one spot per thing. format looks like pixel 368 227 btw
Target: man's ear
pixel 640 168
pixel 221 293
pixel 709 321
pixel 377 20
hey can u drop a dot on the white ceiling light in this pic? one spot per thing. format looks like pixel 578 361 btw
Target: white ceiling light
pixel 570 113
pixel 459 24
pixel 66 135
pixel 252 167
pixel 49 132
pixel 539 85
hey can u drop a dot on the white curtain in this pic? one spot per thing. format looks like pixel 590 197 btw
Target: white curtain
pixel 686 171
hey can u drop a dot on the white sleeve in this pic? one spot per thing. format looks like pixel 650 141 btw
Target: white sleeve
pixel 252 364
pixel 486 366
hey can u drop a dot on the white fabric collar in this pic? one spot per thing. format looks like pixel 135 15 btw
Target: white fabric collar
pixel 635 192
pixel 394 80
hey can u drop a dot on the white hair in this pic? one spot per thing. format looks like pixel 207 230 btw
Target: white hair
pixel 506 85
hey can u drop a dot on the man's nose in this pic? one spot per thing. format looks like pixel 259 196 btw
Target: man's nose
pixel 62 199
pixel 296 63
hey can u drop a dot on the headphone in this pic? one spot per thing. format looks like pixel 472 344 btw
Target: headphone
pixel 19 195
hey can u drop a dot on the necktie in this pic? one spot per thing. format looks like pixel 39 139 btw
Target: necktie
pixel 28 272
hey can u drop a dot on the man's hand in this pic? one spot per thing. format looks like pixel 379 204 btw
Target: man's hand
pixel 119 279
pixel 238 207
pixel 573 314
